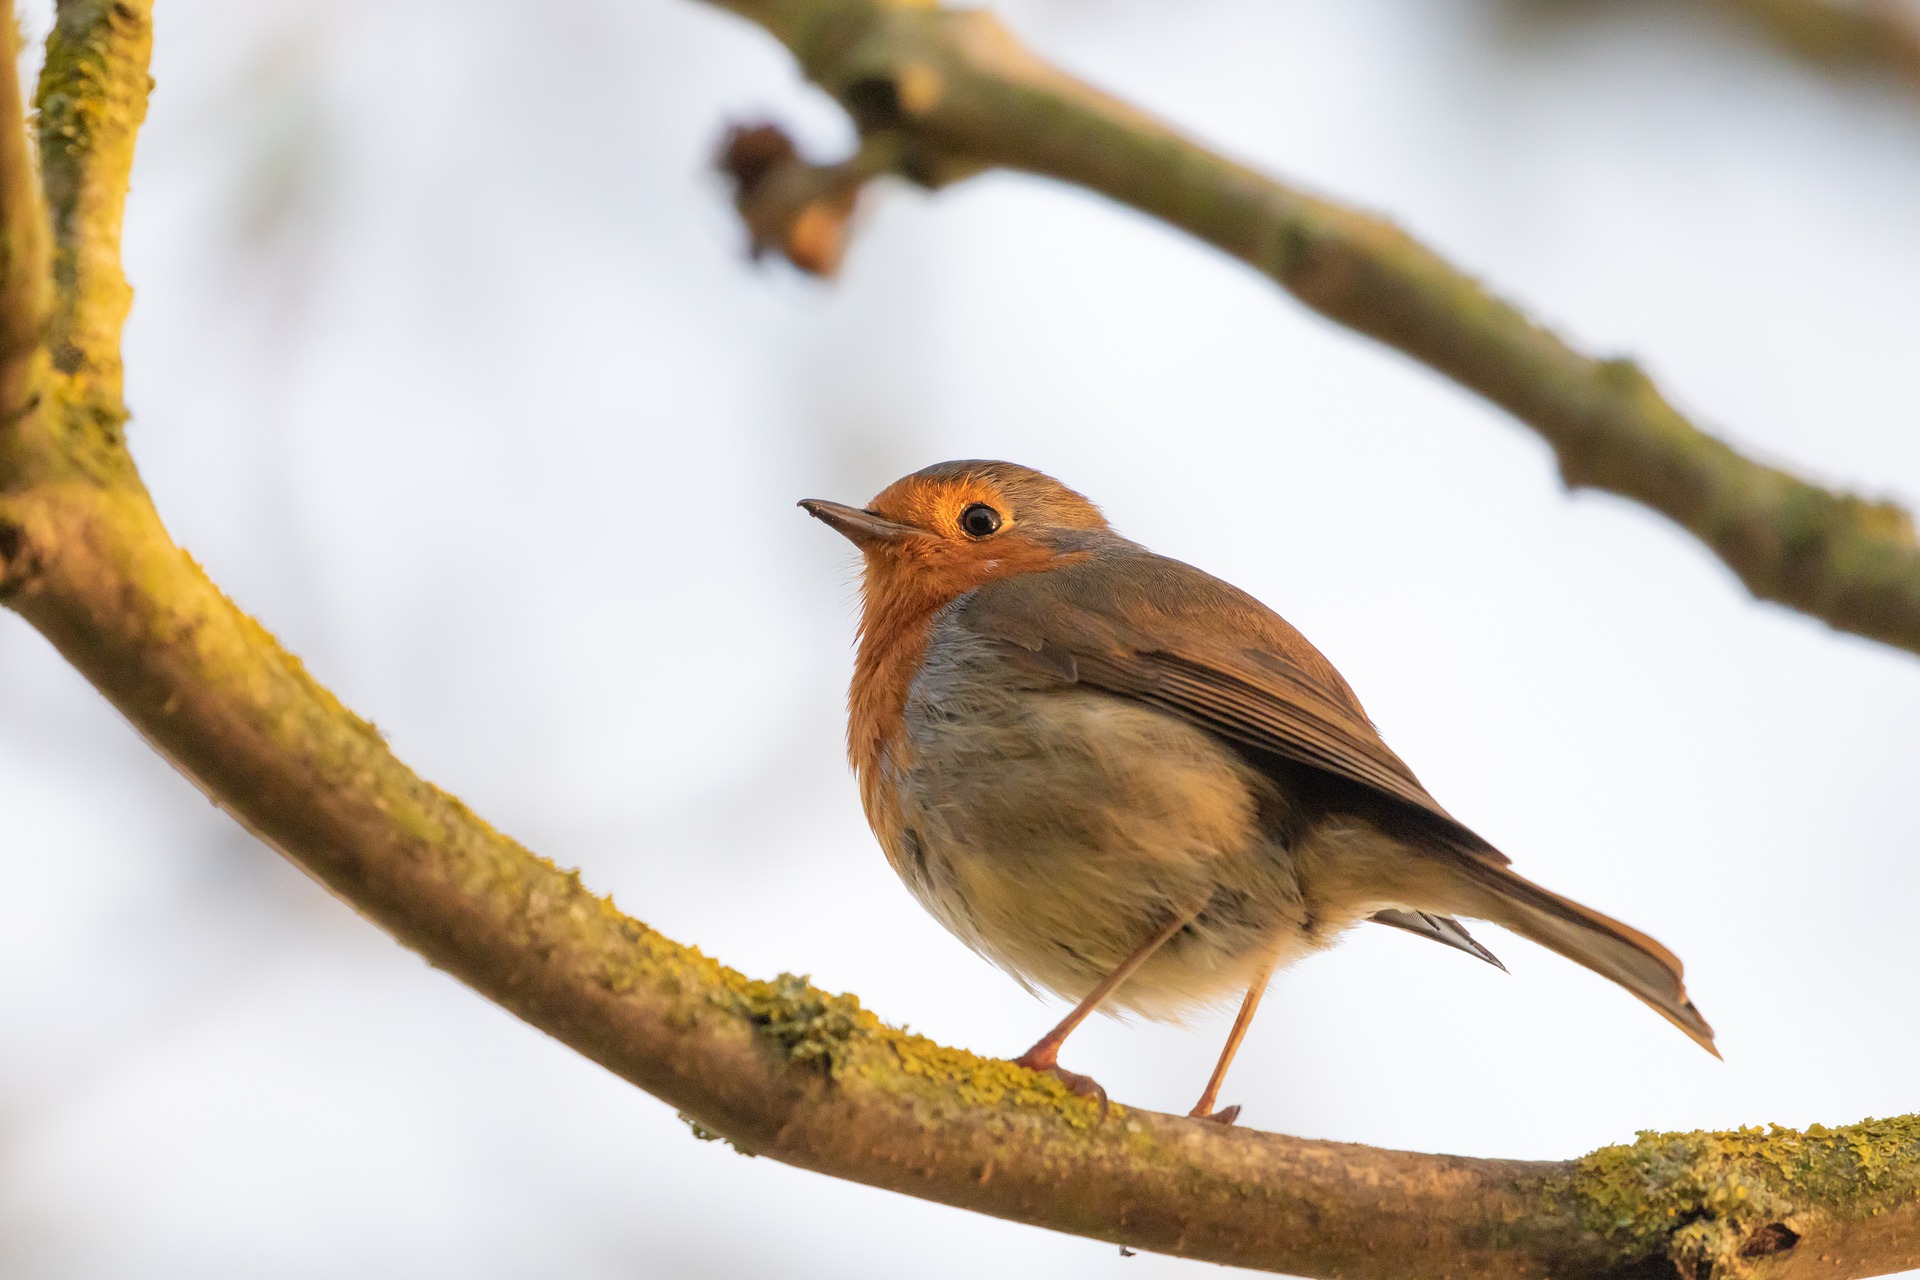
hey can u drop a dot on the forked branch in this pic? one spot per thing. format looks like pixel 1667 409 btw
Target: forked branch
pixel 777 1068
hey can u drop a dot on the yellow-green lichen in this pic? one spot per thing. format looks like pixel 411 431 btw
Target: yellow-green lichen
pixel 810 1025
pixel 835 1032
pixel 92 94
pixel 812 1030
pixel 819 1031
pixel 91 100
pixel 921 1065
pixel 1710 1201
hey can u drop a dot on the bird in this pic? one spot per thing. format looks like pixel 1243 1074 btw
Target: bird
pixel 1132 785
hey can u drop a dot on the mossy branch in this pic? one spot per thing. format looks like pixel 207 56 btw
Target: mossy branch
pixel 953 92
pixel 780 1068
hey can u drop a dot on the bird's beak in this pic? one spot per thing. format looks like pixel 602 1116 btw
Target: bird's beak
pixel 862 528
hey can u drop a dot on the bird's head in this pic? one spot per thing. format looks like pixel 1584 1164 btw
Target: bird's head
pixel 942 531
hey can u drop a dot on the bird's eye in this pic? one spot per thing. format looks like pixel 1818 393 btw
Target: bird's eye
pixel 979 520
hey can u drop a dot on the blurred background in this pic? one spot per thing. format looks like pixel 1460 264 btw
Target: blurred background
pixel 448 364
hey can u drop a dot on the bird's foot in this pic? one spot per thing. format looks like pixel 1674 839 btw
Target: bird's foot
pixel 1081 1086
pixel 1224 1116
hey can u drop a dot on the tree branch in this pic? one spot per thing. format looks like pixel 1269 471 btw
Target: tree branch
pixel 955 93
pixel 1879 35
pixel 780 1068
pixel 92 100
pixel 24 271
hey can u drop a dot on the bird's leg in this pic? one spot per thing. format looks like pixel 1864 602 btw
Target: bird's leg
pixel 1203 1109
pixel 1045 1055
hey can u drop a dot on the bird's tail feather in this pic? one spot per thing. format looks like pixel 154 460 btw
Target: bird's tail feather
pixel 1586 937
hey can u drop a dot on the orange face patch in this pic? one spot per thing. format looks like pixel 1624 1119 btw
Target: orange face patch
pixel 935 505
pixel 914 577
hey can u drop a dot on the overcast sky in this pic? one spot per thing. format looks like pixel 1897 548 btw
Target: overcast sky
pixel 447 363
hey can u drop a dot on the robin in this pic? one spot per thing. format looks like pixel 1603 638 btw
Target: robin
pixel 1135 786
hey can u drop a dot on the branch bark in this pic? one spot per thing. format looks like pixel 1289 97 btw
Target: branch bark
pixel 955 93
pixel 779 1068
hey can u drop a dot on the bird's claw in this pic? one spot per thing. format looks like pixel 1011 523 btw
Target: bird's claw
pixel 1223 1117
pixel 1081 1086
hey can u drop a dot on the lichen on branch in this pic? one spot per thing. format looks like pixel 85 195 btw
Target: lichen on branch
pixel 952 92
pixel 1716 1203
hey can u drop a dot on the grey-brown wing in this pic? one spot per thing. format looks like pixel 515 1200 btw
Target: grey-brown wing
pixel 1166 634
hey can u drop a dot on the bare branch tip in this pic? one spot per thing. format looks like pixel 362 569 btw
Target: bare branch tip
pixel 801 210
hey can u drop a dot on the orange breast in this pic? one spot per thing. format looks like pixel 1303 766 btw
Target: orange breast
pixel 893 643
